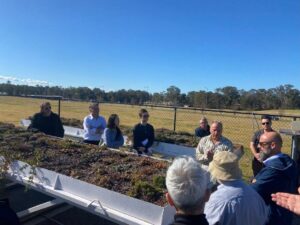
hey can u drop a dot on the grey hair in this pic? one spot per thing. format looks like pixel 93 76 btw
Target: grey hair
pixel 187 183
pixel 219 123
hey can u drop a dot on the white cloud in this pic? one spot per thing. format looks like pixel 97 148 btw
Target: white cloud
pixel 27 81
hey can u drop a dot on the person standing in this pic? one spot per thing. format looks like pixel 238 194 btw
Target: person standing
pixel 234 202
pixel 212 144
pixel 203 129
pixel 143 134
pixel 47 121
pixel 266 122
pixel 187 185
pixel 279 174
pixel 112 136
pixel 93 125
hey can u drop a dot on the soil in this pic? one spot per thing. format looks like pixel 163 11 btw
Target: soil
pixel 139 177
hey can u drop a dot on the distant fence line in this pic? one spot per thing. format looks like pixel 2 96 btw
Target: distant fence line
pixel 239 126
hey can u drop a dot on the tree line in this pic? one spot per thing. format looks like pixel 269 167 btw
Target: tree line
pixel 229 97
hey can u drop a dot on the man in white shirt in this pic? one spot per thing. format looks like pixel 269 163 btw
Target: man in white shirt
pixel 93 125
pixel 234 202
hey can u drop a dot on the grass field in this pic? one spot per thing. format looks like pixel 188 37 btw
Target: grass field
pixel 239 128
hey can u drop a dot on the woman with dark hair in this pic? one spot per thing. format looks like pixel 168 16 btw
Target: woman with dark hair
pixel 112 136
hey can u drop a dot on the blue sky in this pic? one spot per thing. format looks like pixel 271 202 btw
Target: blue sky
pixel 150 45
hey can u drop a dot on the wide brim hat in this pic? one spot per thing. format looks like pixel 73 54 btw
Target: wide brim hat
pixel 225 166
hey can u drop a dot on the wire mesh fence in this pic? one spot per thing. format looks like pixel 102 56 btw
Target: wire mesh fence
pixel 238 126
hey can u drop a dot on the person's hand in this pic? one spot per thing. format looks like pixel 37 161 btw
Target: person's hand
pixel 210 155
pixel 288 201
pixel 257 156
pixel 99 130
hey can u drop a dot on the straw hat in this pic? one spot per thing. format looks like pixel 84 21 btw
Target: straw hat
pixel 225 166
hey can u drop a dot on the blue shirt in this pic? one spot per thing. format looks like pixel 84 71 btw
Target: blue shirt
pixel 111 139
pixel 236 203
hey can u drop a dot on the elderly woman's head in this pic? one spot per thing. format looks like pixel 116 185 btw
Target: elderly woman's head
pixel 187 185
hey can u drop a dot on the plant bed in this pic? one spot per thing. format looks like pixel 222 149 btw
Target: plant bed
pixel 135 176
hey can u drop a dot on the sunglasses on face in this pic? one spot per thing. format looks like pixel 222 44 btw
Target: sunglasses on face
pixel 47 108
pixel 265 123
pixel 145 116
pixel 264 144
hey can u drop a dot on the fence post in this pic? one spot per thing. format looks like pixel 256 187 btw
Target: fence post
pixel 59 107
pixel 174 121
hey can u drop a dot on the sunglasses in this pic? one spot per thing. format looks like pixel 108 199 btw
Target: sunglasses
pixel 145 116
pixel 264 144
pixel 47 108
pixel 265 123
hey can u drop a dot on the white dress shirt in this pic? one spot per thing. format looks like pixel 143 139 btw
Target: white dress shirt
pixel 90 125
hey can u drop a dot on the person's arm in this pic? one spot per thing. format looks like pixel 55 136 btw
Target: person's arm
pixel 34 122
pixel 200 154
pixel 288 201
pixel 269 182
pixel 102 126
pixel 87 128
pixel 119 141
pixel 59 128
pixel 109 138
pixel 151 137
pixel 136 139
pixel 253 147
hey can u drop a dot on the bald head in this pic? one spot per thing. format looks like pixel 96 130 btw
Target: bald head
pixel 271 137
pixel 270 144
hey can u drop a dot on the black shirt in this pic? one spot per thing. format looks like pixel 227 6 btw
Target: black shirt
pixel 142 132
pixel 200 132
pixel 50 125
pixel 189 220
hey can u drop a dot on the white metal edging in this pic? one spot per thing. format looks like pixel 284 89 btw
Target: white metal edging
pixel 114 206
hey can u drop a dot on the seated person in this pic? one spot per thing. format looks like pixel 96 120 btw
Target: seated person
pixel 203 129
pixel 93 125
pixel 47 122
pixel 143 134
pixel 234 202
pixel 213 143
pixel 187 185
pixel 112 136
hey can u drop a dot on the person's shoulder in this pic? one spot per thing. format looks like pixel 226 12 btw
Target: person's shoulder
pixel 204 139
pixel 102 118
pixel 54 115
pixel 136 126
pixel 150 126
pixel 226 140
pixel 88 117
pixel 258 132
pixel 36 115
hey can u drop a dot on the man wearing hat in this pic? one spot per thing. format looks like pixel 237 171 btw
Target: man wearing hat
pixel 234 202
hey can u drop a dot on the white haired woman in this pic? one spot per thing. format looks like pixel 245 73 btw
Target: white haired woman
pixel 187 185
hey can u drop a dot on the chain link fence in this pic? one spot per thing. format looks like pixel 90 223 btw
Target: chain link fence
pixel 238 126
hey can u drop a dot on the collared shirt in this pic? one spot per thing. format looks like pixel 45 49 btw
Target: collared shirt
pixel 272 158
pixel 90 125
pixel 235 203
pixel 206 144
